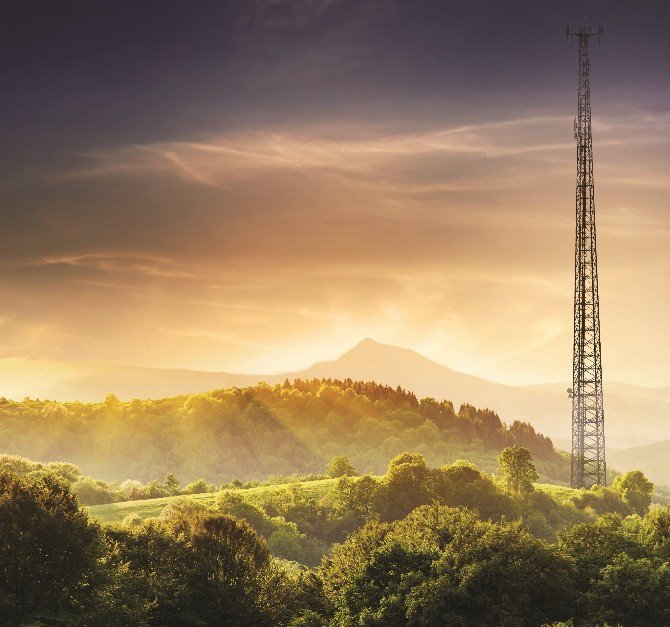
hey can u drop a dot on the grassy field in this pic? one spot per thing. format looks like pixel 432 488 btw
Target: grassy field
pixel 148 508
pixel 558 492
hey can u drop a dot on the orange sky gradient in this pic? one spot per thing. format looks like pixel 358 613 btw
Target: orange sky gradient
pixel 255 186
pixel 456 242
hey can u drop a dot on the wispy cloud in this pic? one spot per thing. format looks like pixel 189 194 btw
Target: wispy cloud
pixel 107 262
pixel 219 161
pixel 381 161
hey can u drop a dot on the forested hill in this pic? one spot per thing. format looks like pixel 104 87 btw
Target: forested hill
pixel 257 431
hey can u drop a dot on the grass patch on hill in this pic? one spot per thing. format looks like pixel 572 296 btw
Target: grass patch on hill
pixel 560 493
pixel 149 508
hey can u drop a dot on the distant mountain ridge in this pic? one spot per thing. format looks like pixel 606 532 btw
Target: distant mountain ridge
pixel 634 415
pixel 653 459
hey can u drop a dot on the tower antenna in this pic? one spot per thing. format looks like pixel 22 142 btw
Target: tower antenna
pixel 588 418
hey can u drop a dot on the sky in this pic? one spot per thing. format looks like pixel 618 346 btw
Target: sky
pixel 255 185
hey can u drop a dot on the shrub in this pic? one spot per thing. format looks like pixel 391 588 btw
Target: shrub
pixel 200 486
pixel 94 492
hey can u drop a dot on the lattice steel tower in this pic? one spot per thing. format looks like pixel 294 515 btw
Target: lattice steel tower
pixel 588 420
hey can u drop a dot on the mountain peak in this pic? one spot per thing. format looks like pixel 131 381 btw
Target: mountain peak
pixel 368 344
pixel 368 341
pixel 372 349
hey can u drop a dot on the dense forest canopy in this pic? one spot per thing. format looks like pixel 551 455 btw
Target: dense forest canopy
pixel 415 546
pixel 250 433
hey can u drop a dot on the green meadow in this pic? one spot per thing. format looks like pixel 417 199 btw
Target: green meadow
pixel 150 508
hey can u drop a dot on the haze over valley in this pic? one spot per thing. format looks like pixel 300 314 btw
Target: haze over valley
pixel 636 416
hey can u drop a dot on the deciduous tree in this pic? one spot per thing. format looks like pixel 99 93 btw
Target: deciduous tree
pixel 517 470
pixel 340 466
pixel 635 490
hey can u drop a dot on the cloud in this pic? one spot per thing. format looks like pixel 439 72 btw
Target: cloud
pixel 218 162
pixel 109 263
pixel 263 251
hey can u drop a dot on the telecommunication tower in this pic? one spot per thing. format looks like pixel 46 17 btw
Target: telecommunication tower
pixel 588 419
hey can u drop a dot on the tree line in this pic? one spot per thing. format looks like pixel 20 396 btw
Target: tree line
pixel 251 433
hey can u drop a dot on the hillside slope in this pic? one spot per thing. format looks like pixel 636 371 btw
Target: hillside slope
pixel 250 433
pixel 634 415
pixel 652 459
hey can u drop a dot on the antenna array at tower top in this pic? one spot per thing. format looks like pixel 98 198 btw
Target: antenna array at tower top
pixel 583 31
